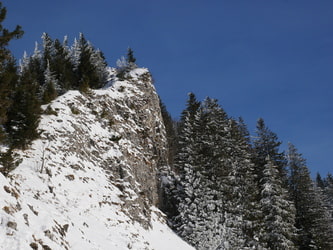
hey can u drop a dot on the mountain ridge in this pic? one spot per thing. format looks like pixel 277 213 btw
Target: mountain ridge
pixel 91 180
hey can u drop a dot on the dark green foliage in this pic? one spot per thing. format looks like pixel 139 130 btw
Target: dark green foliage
pixel 265 145
pixel 170 132
pixel 312 219
pixel 130 57
pixel 85 69
pixel 8 162
pixel 91 65
pixel 191 108
pixel 49 93
pixel 23 115
pixel 63 68
pixel 216 180
pixel 115 138
pixel 8 75
pixel 5 37
pixel 8 81
pixel 278 228
pixel 126 65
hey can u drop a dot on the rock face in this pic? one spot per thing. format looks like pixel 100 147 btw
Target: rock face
pixel 91 180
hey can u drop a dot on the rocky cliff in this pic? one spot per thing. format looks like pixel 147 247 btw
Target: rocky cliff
pixel 91 180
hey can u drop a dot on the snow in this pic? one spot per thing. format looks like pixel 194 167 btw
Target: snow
pixel 60 197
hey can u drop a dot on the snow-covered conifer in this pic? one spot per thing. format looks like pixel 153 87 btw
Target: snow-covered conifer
pixel 312 218
pixel 278 227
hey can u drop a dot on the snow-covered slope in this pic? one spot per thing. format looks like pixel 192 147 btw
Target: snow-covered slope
pixel 90 181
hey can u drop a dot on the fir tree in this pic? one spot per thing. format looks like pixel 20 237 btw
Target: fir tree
pixel 125 65
pixel 50 87
pixel 312 219
pixel 266 144
pixel 217 202
pixel 48 50
pixel 191 108
pixel 91 65
pixel 23 115
pixel 170 132
pixel 63 67
pixel 130 59
pixel 8 81
pixel 7 68
pixel 278 231
pixel 199 206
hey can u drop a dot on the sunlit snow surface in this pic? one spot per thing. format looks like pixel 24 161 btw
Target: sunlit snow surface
pixel 62 199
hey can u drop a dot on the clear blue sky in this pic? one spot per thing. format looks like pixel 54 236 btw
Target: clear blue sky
pixel 270 59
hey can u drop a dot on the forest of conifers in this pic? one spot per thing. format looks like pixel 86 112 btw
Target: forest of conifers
pixel 224 189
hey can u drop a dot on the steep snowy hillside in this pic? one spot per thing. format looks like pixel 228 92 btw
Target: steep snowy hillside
pixel 90 181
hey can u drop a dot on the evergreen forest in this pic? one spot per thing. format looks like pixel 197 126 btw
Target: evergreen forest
pixel 224 189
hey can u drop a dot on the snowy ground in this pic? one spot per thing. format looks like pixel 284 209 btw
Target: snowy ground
pixel 60 198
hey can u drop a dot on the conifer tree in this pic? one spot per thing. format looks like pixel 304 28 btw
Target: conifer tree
pixel 328 193
pixel 266 144
pixel 278 231
pixel 50 88
pixel 131 59
pixel 48 51
pixel 91 65
pixel 217 206
pixel 312 219
pixel 23 115
pixel 199 207
pixel 8 81
pixel 63 67
pixel 192 106
pixel 170 132
pixel 35 67
pixel 7 68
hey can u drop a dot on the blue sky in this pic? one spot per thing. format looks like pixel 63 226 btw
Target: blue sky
pixel 270 59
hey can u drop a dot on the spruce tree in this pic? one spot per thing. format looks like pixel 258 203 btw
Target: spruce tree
pixel 200 215
pixel 131 59
pixel 8 81
pixel 23 115
pixel 50 88
pixel 89 64
pixel 266 144
pixel 48 51
pixel 8 73
pixel 312 218
pixel 278 227
pixel 63 67
pixel 217 203
pixel 170 132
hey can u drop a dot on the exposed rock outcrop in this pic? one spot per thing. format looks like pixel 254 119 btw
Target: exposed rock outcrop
pixel 90 181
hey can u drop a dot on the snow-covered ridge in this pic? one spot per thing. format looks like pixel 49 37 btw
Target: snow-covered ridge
pixel 90 181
